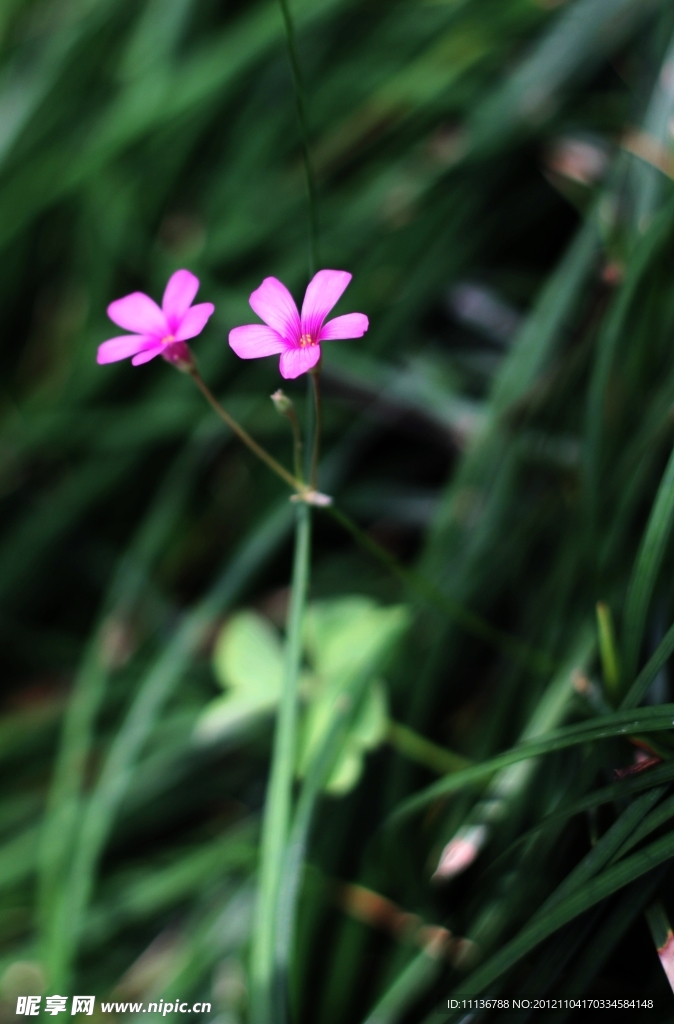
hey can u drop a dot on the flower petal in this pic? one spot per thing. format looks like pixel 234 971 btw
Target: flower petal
pixel 324 290
pixel 194 321
pixel 274 304
pixel 255 340
pixel 120 348
pixel 138 312
pixel 351 325
pixel 178 297
pixel 296 361
pixel 149 353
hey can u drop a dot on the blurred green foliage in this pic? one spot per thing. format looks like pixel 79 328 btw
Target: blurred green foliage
pixel 497 176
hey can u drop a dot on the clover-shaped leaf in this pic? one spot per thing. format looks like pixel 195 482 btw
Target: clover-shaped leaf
pixel 367 732
pixel 346 640
pixel 248 662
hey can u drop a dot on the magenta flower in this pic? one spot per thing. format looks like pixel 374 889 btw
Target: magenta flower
pixel 296 338
pixel 157 332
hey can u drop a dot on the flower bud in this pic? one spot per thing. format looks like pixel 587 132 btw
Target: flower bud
pixel 178 354
pixel 282 403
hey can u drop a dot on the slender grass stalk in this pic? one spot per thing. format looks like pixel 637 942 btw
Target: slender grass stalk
pixel 277 813
pixel 296 852
pixel 304 135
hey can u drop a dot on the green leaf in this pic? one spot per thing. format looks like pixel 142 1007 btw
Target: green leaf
pixel 366 733
pixel 342 637
pixel 230 716
pixel 248 661
pixel 344 633
pixel 248 657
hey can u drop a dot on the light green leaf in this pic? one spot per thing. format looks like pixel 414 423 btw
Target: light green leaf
pixel 248 657
pixel 369 728
pixel 368 731
pixel 248 661
pixel 346 772
pixel 341 637
pixel 231 715
pixel 343 634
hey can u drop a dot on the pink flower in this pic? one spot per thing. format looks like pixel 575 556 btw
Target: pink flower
pixel 157 332
pixel 296 338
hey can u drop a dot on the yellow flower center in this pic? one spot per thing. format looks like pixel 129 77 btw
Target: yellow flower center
pixel 168 340
pixel 305 340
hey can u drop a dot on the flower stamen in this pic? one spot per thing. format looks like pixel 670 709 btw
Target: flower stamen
pixel 305 340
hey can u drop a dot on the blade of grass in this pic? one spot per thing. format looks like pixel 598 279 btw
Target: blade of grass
pixel 588 895
pixel 647 567
pixel 117 772
pixel 508 788
pixel 658 659
pixel 620 723
pixel 63 807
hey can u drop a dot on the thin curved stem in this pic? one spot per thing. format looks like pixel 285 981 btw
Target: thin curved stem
pixel 257 449
pixel 472 623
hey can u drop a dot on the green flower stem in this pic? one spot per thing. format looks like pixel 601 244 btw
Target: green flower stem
pixel 522 653
pixel 277 812
pixel 417 748
pixel 297 443
pixel 315 375
pixel 257 449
